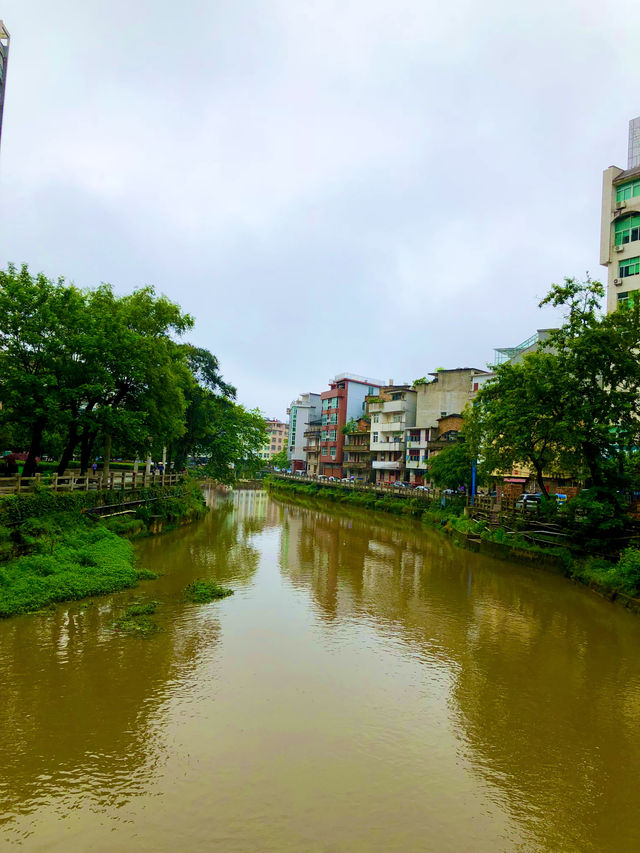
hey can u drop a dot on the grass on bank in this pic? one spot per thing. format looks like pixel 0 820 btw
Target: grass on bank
pixel 51 551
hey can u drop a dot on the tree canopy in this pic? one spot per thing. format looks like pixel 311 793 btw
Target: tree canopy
pixel 571 406
pixel 88 369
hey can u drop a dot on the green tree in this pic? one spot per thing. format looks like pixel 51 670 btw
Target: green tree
pixel 279 460
pixel 451 467
pixel 571 406
pixel 518 417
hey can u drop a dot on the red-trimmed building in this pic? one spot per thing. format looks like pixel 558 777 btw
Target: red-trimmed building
pixel 344 401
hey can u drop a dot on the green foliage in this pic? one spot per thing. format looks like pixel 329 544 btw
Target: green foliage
pixel 451 467
pixel 279 460
pixel 82 367
pixel 424 380
pixel 571 406
pixel 137 620
pixel 596 518
pixel 350 427
pixel 84 559
pixel 202 590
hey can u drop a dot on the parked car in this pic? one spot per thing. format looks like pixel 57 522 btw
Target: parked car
pixel 401 484
pixel 322 477
pixel 528 502
pixel 333 479
pixel 422 488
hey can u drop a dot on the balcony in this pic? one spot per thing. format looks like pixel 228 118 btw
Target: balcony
pixel 391 406
pixel 416 464
pixel 347 463
pixel 391 426
pixel 397 465
pixel 311 448
pixel 356 448
pixel 390 446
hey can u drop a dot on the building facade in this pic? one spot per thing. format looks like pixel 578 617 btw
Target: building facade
pixel 4 61
pixel 620 226
pixel 301 411
pixel 278 437
pixel 392 412
pixel 343 402
pixel 312 446
pixel 357 452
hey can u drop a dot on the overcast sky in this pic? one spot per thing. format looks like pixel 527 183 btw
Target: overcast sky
pixel 376 187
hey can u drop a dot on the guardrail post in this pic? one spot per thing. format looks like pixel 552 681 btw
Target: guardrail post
pixel 17 484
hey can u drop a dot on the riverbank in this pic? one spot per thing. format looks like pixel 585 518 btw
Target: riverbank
pixel 56 547
pixel 617 581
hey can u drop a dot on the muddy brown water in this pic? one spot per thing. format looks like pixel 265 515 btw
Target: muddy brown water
pixel 369 687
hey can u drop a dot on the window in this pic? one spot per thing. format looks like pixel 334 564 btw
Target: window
pixel 376 419
pixel 325 419
pixel 332 452
pixel 627 191
pixel 333 434
pixel 627 298
pixel 374 436
pixel 397 419
pixel 627 230
pixel 629 267
pixel 324 435
pixel 475 386
pixel 443 414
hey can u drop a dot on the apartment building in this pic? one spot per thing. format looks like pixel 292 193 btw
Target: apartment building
pixel 312 446
pixel 344 401
pixel 278 432
pixel 439 404
pixel 357 452
pixel 301 411
pixel 4 60
pixel 620 225
pixel 392 412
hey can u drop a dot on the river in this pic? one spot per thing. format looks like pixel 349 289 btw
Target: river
pixel 368 687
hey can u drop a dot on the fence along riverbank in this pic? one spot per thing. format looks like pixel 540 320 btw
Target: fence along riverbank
pixel 70 482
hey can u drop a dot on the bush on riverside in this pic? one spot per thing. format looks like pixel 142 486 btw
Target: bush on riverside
pixel 66 563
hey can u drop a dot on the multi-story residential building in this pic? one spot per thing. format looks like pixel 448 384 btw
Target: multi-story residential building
pixel 4 60
pixel 357 451
pixel 312 446
pixel 392 412
pixel 443 398
pixel 306 408
pixel 620 225
pixel 278 432
pixel 344 401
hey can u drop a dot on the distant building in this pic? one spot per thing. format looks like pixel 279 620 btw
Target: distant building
pixel 439 407
pixel 620 225
pixel 392 412
pixel 343 402
pixel 4 59
pixel 312 446
pixel 356 459
pixel 278 437
pixel 306 408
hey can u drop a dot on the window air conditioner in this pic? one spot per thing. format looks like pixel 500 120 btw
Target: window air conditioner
pixel 617 282
pixel 619 248
pixel 620 205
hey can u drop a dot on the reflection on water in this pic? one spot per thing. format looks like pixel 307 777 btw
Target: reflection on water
pixel 368 687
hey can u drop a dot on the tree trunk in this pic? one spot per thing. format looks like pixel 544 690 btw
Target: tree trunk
pixel 35 449
pixel 87 440
pixel 107 456
pixel 540 479
pixel 72 443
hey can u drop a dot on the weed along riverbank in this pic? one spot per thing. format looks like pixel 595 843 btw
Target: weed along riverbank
pixel 615 576
pixel 62 547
